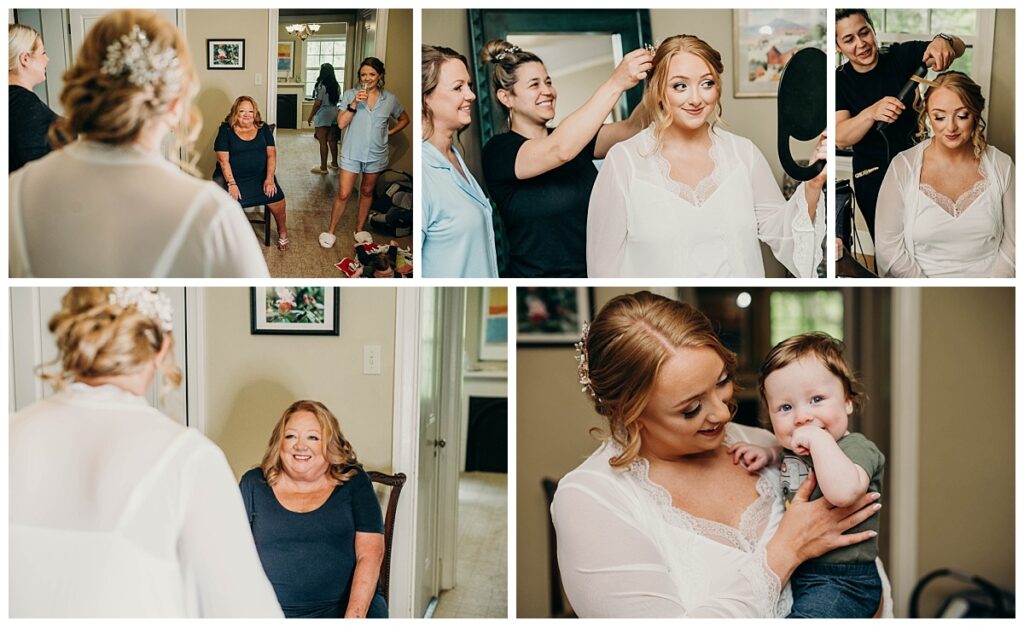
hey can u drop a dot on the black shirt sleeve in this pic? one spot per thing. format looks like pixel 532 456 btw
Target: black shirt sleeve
pixel 499 161
pixel 907 56
pixel 268 135
pixel 365 508
pixel 248 486
pixel 28 135
pixel 223 141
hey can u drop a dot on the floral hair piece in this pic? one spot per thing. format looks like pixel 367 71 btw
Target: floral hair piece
pixel 583 364
pixel 144 62
pixel 148 301
pixel 506 52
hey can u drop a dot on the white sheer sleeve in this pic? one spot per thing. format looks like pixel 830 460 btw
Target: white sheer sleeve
pixel 607 216
pixel 231 245
pixel 612 568
pixel 219 561
pixel 891 253
pixel 1006 263
pixel 785 225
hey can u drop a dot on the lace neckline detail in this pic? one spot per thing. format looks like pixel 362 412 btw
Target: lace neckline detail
pixel 957 207
pixel 752 524
pixel 697 194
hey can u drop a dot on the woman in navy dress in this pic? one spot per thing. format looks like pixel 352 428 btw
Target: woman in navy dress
pixel 315 519
pixel 247 160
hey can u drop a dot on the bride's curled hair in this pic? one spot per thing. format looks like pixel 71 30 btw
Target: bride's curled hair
pixel 654 94
pixel 628 341
pixel 98 338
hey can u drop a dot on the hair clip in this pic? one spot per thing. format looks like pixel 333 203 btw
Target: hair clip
pixel 506 52
pixel 583 363
pixel 148 301
pixel 652 48
pixel 144 62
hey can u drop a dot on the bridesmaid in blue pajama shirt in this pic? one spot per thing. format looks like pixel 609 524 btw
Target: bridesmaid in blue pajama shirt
pixel 458 234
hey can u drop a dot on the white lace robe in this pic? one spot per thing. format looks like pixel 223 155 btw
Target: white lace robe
pixel 921 233
pixel 625 551
pixel 118 511
pixel 642 223
pixel 92 210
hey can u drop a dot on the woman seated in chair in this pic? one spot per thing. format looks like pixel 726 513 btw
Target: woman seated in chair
pixel 246 161
pixel 315 519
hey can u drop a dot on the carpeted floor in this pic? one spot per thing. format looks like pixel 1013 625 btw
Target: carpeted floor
pixel 309 199
pixel 481 570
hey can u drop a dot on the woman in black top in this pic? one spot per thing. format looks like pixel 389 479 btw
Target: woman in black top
pixel 30 119
pixel 315 519
pixel 866 88
pixel 247 160
pixel 541 178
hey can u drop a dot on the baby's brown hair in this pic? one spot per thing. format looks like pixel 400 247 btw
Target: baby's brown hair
pixel 829 352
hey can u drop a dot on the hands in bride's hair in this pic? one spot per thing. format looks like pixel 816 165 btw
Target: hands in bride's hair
pixel 810 529
pixel 634 67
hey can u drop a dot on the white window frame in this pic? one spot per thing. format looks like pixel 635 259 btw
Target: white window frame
pixel 307 88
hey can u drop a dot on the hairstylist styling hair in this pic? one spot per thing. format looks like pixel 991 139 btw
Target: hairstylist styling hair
pixel 866 88
pixel 541 178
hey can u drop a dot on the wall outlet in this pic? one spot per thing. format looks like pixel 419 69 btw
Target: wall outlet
pixel 259 78
pixel 371 359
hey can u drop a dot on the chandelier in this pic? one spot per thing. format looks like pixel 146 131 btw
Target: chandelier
pixel 302 31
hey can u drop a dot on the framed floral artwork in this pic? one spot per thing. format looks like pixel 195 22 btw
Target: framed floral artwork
pixel 225 54
pixel 291 310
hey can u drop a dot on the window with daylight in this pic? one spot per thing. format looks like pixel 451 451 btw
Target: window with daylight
pixel 320 50
pixel 793 313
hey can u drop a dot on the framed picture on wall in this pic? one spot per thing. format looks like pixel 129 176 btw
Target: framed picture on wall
pixel 225 54
pixel 763 42
pixel 493 324
pixel 294 310
pixel 285 58
pixel 552 315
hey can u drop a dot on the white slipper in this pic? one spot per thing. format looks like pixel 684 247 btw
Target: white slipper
pixel 327 239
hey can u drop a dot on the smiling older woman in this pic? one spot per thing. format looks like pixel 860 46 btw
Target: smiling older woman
pixel 317 524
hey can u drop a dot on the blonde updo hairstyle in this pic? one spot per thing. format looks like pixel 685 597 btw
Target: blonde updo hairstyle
pixel 969 93
pixel 506 59
pixel 21 39
pixel 431 60
pixel 97 338
pixel 654 94
pixel 341 458
pixel 626 345
pixel 113 110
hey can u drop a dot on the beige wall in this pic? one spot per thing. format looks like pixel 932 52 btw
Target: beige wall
pixel 219 88
pixel 399 67
pixel 966 506
pixel 966 496
pixel 250 379
pixel 1002 126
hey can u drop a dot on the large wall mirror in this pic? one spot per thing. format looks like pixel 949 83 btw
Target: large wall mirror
pixel 580 49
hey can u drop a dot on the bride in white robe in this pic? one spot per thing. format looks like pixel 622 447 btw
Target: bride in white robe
pixel 685 198
pixel 946 206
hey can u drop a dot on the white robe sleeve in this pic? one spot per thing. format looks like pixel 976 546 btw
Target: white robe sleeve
pixel 220 565
pixel 607 217
pixel 891 252
pixel 785 225
pixel 1005 265
pixel 611 568
pixel 231 247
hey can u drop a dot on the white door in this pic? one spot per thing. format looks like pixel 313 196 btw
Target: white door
pixel 81 20
pixel 427 580
pixel 32 345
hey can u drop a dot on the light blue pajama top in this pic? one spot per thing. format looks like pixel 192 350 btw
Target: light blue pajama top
pixel 458 234
pixel 366 136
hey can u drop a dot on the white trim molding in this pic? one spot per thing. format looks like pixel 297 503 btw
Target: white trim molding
pixel 906 402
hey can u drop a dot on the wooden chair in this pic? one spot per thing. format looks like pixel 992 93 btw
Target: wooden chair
pixel 559 606
pixel 395 482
